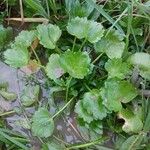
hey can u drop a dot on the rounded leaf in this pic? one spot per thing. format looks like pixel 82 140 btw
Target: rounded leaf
pixel 77 64
pixel 42 123
pixel 17 56
pixel 25 38
pixel 53 67
pixel 48 35
pixel 111 44
pixel 83 28
pixel 116 68
pixel 116 92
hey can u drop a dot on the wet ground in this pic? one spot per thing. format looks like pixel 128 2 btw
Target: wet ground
pixel 65 125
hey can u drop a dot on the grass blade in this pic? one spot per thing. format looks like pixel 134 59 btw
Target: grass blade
pixel 104 14
pixel 36 5
pixel 11 139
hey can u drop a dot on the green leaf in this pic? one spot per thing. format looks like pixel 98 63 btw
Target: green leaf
pixel 8 95
pixel 142 61
pixel 36 5
pixel 5 36
pixel 133 123
pixel 83 28
pixel 93 103
pixel 116 68
pixel 53 67
pixel 100 9
pixel 30 95
pixel 48 35
pixel 77 64
pixel 116 92
pixel 132 143
pixel 17 56
pixel 25 38
pixel 111 44
pixel 82 112
pixel 42 123
pixel 90 107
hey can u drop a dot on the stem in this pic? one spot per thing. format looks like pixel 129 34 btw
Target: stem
pixel 62 109
pixel 39 62
pixel 97 58
pixel 67 88
pixel 74 42
pixel 87 87
pixel 47 7
pixel 82 44
pixel 98 141
pixel 7 113
pixel 130 10
pixel 21 10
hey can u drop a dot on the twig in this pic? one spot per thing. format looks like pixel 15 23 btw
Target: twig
pixel 21 10
pixel 42 20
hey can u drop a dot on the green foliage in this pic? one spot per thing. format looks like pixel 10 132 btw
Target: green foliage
pixel 37 7
pixel 30 95
pixel 48 35
pixel 133 123
pixel 133 142
pixel 42 123
pixel 17 56
pixel 117 68
pixel 75 8
pixel 77 64
pixel 111 44
pixel 90 107
pixel 98 68
pixel 8 95
pixel 25 38
pixel 53 67
pixel 5 36
pixel 142 61
pixel 83 28
pixel 116 92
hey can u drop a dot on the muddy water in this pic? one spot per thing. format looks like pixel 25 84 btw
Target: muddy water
pixel 65 125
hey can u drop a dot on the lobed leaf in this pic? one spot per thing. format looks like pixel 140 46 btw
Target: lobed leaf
pixel 53 67
pixel 116 92
pixel 90 107
pixel 133 123
pixel 83 28
pixel 77 64
pixel 48 35
pixel 116 68
pixel 142 61
pixel 25 38
pixel 17 56
pixel 111 44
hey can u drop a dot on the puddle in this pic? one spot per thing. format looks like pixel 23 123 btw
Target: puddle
pixel 65 125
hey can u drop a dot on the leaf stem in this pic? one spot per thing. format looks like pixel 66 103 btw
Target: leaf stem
pixel 98 141
pixel 130 10
pixel 67 88
pixel 97 58
pixel 74 42
pixel 7 113
pixel 82 44
pixel 63 108
pixel 39 62
pixel 87 87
